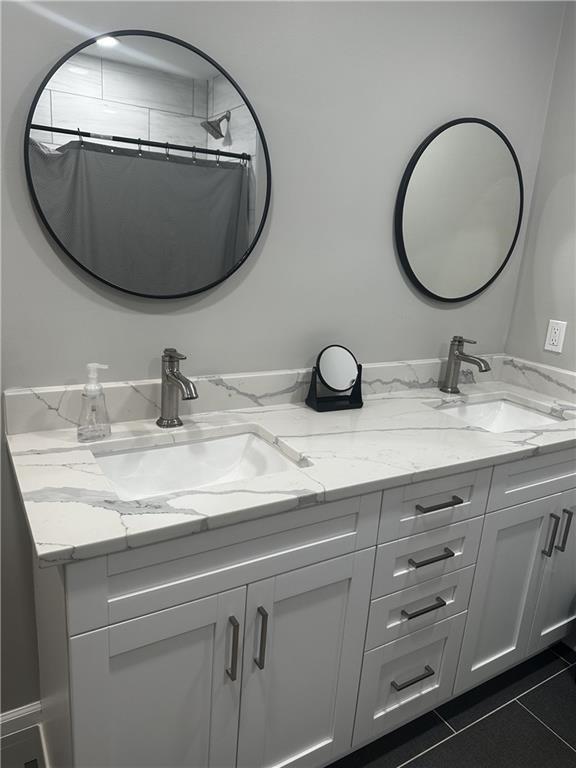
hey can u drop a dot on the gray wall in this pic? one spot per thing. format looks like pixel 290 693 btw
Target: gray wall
pixel 547 284
pixel 345 92
pixel 326 266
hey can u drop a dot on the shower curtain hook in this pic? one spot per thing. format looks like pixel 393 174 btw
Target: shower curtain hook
pixel 217 157
pixel 81 138
pixel 167 151
pixel 139 147
pixel 194 154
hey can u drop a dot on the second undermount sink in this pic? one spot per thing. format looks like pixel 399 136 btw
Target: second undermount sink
pixel 500 415
pixel 158 470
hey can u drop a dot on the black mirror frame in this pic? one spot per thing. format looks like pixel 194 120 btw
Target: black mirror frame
pixel 401 197
pixel 197 51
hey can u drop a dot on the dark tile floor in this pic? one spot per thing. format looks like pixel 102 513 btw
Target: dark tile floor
pixel 524 718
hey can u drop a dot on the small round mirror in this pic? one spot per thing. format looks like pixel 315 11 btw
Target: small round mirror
pixel 337 368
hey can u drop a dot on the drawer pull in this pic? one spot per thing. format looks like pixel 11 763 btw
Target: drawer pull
pixel 547 551
pixel 569 515
pixel 437 507
pixel 233 671
pixel 400 686
pixel 421 563
pixel 414 614
pixel 261 658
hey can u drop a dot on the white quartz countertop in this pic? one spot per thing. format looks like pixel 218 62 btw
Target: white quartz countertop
pixel 74 513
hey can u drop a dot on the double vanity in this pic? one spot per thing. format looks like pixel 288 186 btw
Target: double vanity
pixel 270 586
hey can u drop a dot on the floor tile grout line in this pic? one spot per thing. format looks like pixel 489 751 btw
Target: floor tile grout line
pixel 456 733
pixel 528 690
pixel 444 721
pixel 560 657
pixel 407 762
pixel 545 725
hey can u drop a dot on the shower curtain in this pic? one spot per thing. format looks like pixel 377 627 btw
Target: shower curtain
pixel 140 221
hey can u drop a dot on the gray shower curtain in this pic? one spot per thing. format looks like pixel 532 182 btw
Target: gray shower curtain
pixel 142 222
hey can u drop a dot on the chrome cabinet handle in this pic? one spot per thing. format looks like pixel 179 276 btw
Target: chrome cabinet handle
pixel 439 603
pixel 437 507
pixel 569 515
pixel 260 660
pixel 547 551
pixel 400 686
pixel 233 671
pixel 448 553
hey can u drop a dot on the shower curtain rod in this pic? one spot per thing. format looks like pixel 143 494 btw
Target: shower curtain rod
pixel 142 142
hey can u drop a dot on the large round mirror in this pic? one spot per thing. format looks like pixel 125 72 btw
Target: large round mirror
pixel 147 164
pixel 459 209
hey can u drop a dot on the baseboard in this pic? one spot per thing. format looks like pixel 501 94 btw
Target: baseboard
pixel 23 717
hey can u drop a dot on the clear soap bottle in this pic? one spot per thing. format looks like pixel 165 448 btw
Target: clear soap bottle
pixel 94 421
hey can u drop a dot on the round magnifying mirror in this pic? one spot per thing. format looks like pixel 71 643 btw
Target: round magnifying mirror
pixel 337 368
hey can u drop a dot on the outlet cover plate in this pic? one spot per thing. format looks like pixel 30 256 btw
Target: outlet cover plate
pixel 555 336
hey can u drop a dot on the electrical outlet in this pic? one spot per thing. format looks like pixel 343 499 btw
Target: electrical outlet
pixel 555 336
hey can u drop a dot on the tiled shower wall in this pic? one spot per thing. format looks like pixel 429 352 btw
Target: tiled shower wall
pixel 110 97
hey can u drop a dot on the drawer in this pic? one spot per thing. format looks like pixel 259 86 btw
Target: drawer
pixel 532 478
pixel 407 562
pixel 407 677
pixel 412 609
pixel 126 585
pixel 432 504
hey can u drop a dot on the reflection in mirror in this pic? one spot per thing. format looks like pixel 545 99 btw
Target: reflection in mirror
pixel 147 164
pixel 337 368
pixel 459 209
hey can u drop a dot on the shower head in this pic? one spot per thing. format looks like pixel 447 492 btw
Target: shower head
pixel 213 126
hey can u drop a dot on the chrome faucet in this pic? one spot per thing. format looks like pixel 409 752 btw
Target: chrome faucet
pixel 174 386
pixel 456 357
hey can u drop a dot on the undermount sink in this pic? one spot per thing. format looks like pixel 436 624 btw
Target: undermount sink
pixel 158 470
pixel 500 415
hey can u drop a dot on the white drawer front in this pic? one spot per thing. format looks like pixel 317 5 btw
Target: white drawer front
pixel 532 478
pixel 120 587
pixel 432 504
pixel 409 676
pixel 416 559
pixel 409 610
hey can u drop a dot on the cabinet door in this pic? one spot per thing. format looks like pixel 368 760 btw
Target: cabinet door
pixel 303 653
pixel 158 690
pixel 506 584
pixel 556 609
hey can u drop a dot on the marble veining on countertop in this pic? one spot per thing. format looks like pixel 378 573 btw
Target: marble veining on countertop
pixel 74 513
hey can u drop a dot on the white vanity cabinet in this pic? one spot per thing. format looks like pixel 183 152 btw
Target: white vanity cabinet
pixel 524 593
pixel 237 646
pixel 302 657
pixel 555 613
pixel 420 596
pixel 167 689
pixel 160 690
pixel 289 640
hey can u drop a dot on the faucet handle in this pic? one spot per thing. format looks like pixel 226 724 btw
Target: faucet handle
pixel 172 354
pixel 462 340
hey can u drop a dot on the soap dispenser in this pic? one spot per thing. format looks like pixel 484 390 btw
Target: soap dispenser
pixel 94 421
